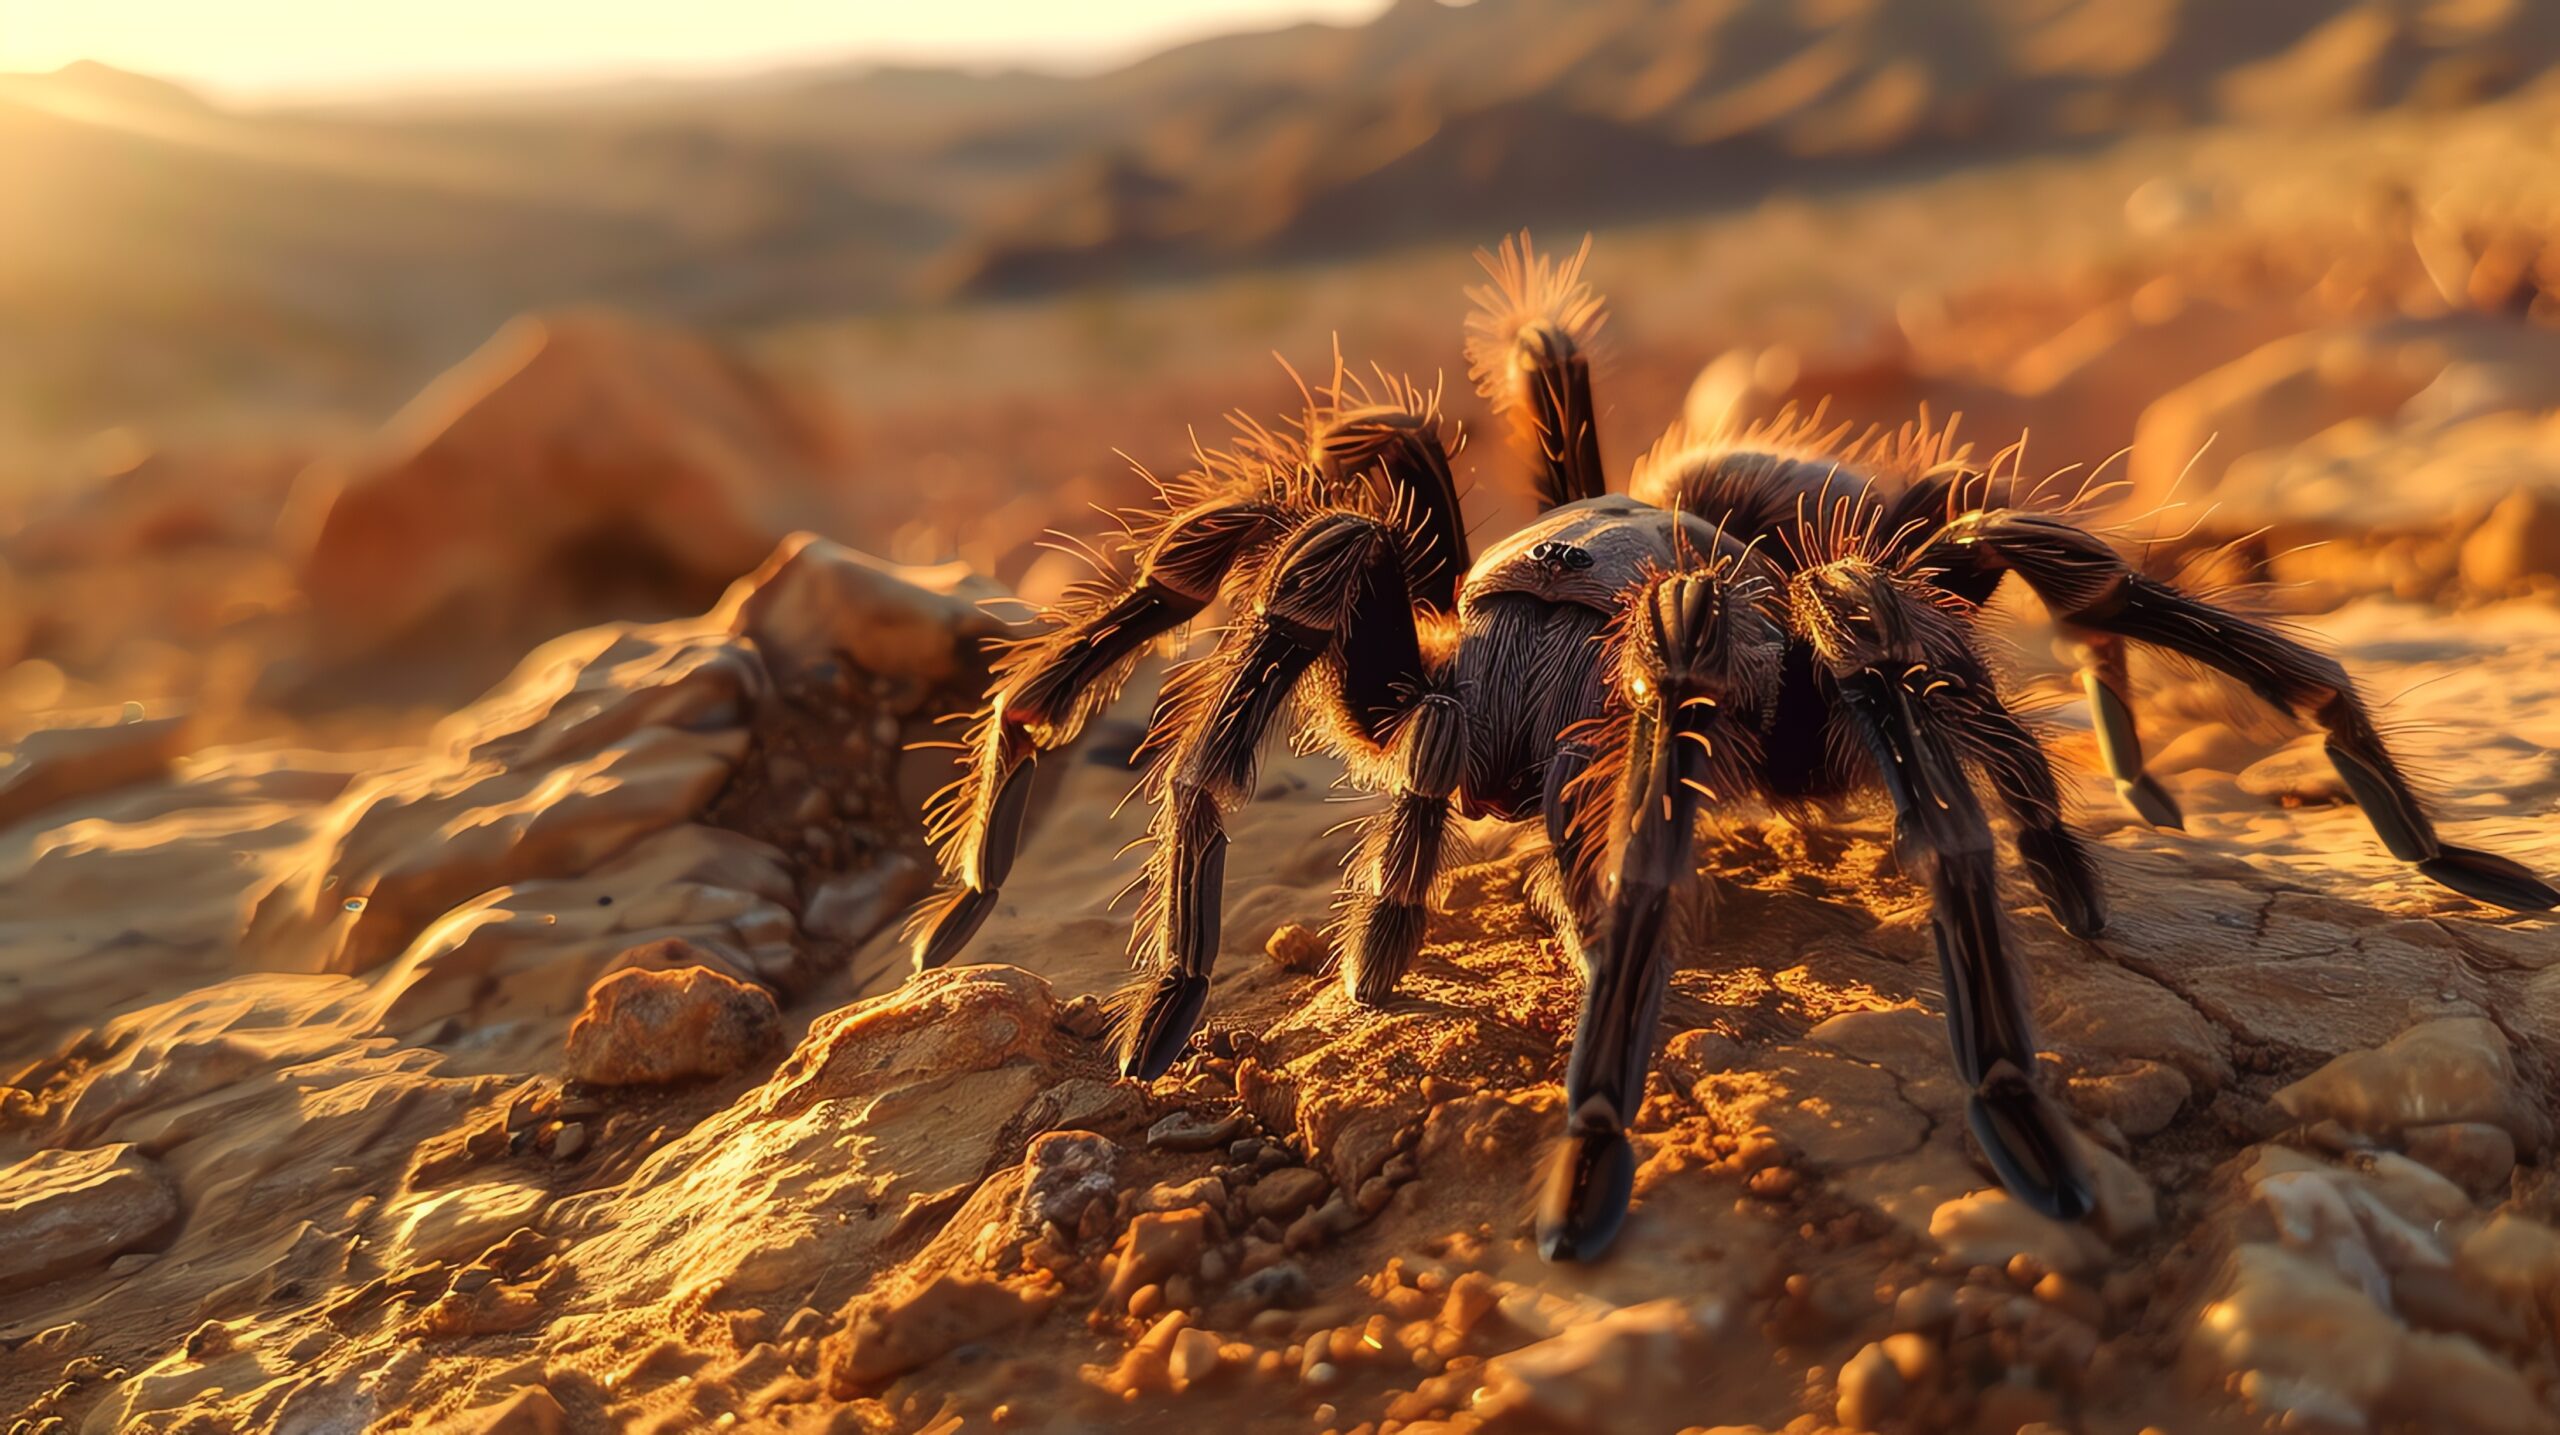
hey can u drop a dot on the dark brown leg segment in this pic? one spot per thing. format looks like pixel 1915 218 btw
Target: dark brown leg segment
pixel 2088 586
pixel 2105 677
pixel 1887 650
pixel 1045 691
pixel 1942 829
pixel 2022 776
pixel 1679 742
pixel 1384 897
pixel 1217 712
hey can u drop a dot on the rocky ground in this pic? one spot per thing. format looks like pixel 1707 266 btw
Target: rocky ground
pixel 559 1069
pixel 558 1083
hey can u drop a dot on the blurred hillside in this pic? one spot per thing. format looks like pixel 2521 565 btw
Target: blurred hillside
pixel 161 254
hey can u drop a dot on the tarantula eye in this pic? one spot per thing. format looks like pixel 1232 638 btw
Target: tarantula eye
pixel 1641 688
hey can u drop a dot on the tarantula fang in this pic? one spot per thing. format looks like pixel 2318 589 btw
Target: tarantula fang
pixel 1778 615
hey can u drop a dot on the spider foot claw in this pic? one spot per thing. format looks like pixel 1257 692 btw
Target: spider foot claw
pixel 1582 1200
pixel 2063 875
pixel 2487 877
pixel 1164 1025
pixel 2081 922
pixel 2151 802
pixel 1371 990
pixel 1376 949
pixel 943 934
pixel 2030 1144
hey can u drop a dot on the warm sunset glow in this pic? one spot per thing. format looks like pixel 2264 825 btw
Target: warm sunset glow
pixel 280 48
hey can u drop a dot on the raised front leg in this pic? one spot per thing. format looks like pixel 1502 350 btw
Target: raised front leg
pixel 2087 585
pixel 1529 346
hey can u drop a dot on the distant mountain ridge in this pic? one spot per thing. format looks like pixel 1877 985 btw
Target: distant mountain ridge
pixel 1464 120
pixel 161 244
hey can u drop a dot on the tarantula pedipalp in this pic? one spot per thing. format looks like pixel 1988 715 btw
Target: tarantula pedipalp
pixel 1772 616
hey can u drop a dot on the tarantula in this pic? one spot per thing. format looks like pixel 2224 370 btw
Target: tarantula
pixel 1772 615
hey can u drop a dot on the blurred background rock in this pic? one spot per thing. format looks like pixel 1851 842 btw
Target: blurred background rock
pixel 289 381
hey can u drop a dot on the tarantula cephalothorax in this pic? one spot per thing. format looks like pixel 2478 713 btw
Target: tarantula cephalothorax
pixel 1769 615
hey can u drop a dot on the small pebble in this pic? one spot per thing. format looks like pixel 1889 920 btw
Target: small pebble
pixel 1191 1131
pixel 1871 1389
pixel 1930 1305
pixel 1195 1357
pixel 1297 949
pixel 1280 1286
pixel 2474 1155
pixel 1915 1357
pixel 1774 1183
pixel 1283 1194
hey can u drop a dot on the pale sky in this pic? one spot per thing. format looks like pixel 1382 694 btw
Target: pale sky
pixel 280 49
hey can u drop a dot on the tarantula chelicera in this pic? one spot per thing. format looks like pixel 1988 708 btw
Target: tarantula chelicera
pixel 1770 616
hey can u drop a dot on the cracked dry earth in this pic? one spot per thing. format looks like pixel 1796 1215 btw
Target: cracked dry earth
pixel 2317 1090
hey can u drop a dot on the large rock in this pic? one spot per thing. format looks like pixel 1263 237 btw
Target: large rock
pixel 645 1027
pixel 577 465
pixel 886 1338
pixel 63 1212
pixel 2519 542
pixel 886 1111
pixel 2272 398
pixel 608 740
pixel 2447 1070
pixel 2305 1347
pixel 1597 1375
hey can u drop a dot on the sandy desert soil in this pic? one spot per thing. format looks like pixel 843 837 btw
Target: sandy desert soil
pixel 555 1067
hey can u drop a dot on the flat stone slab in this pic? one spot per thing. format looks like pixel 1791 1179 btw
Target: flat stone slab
pixel 62 1212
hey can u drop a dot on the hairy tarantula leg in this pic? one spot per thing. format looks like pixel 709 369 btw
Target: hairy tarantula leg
pixel 2087 584
pixel 1189 873
pixel 1529 347
pixel 2022 775
pixel 1683 639
pixel 1383 911
pixel 1043 695
pixel 1566 838
pixel 1400 443
pixel 1940 824
pixel 1879 639
pixel 1565 887
pixel 2020 772
pixel 2105 678
pixel 1217 711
